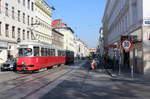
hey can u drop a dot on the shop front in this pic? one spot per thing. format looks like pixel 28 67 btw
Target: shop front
pixel 3 52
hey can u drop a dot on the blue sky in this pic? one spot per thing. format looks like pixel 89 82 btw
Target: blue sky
pixel 83 16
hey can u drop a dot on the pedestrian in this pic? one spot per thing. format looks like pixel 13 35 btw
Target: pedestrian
pixel 93 64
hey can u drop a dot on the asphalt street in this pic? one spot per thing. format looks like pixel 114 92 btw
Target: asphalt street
pixel 85 84
pixel 72 82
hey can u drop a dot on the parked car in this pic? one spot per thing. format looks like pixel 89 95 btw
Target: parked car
pixel 10 64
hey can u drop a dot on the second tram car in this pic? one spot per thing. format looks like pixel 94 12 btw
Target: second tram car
pixel 34 56
pixel 69 57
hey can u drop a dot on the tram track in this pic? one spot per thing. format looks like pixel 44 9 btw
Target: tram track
pixel 21 80
pixel 28 88
pixel 34 91
pixel 9 76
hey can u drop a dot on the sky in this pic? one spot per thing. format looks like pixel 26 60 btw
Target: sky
pixel 83 16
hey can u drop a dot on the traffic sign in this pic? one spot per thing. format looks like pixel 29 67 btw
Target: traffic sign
pixel 126 44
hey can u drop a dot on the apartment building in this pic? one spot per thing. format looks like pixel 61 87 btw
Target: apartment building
pixel 81 49
pixel 130 18
pixel 22 20
pixel 68 33
pixel 15 16
pixel 57 39
pixel 42 29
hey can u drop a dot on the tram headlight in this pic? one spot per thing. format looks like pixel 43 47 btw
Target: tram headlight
pixel 22 63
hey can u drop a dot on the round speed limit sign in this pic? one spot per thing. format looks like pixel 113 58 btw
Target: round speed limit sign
pixel 126 44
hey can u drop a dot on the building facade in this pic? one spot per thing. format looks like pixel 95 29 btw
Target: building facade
pixel 128 18
pixel 81 49
pixel 42 29
pixel 100 46
pixel 23 20
pixel 58 39
pixel 67 32
pixel 14 18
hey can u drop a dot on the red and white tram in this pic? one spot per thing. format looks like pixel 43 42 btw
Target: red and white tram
pixel 34 56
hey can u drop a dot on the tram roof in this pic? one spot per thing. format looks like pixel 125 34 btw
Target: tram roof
pixel 36 43
pixel 39 43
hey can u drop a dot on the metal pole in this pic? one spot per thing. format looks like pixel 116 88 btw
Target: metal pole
pixel 132 72
pixel 119 72
pixel 119 69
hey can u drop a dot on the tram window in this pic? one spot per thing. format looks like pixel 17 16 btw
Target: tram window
pixel 20 54
pixel 42 51
pixel 53 52
pixel 50 52
pixel 63 53
pixel 46 52
pixel 36 51
pixel 24 52
pixel 58 53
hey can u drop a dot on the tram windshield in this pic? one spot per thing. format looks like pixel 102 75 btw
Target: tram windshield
pixel 25 52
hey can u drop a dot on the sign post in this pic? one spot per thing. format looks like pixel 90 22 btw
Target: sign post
pixel 127 45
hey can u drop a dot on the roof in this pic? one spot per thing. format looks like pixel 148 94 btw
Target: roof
pixel 58 23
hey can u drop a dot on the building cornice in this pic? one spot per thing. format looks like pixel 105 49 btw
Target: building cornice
pixel 57 32
pixel 106 8
pixel 40 6
pixel 68 28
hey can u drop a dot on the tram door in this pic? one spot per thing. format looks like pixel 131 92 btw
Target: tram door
pixel 126 61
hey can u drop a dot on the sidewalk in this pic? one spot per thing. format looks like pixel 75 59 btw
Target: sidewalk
pixel 128 76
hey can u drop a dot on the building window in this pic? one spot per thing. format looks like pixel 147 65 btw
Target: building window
pixel 13 13
pixel 134 11
pixel 23 34
pixel 28 35
pixel 24 2
pixel 13 31
pixel 32 6
pixel 0 28
pixel 28 20
pixel 32 36
pixel 19 32
pixel 18 15
pixel 32 21
pixel 18 1
pixel 0 5
pixel 7 30
pixel 28 4
pixel 6 9
pixel 24 18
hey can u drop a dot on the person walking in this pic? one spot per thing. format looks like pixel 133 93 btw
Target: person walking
pixel 93 64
